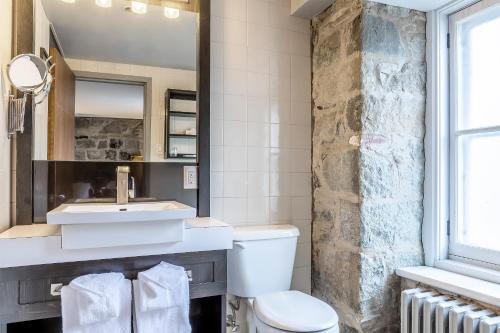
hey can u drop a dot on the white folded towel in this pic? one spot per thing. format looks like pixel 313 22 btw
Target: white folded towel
pixel 160 287
pixel 161 300
pixel 80 313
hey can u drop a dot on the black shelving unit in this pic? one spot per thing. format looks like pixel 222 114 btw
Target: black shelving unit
pixel 171 94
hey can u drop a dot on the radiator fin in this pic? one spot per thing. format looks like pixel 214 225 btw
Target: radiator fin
pixel 427 311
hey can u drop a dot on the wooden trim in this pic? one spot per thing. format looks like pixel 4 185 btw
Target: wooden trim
pixel 204 109
pixel 22 42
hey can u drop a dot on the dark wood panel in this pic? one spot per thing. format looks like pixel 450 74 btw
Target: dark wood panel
pixel 204 110
pixel 22 42
pixel 25 291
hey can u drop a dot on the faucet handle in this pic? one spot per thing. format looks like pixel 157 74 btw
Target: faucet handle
pixel 123 168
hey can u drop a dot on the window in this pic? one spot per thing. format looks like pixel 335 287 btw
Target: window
pixel 474 130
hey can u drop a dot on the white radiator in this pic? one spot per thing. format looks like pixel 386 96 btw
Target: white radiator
pixel 426 311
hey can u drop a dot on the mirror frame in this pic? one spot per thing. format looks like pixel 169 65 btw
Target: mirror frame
pixel 22 154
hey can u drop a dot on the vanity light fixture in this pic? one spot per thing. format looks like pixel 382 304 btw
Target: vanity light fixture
pixel 171 13
pixel 69 1
pixel 104 3
pixel 138 7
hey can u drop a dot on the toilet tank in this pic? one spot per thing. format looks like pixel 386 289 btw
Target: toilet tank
pixel 261 260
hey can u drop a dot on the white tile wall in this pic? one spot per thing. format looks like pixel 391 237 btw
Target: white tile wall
pixel 162 79
pixel 5 168
pixel 261 120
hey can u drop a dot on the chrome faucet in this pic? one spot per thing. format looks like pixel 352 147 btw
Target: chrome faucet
pixel 122 185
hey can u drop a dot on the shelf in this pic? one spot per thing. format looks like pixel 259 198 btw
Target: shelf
pixel 183 156
pixel 185 136
pixel 182 114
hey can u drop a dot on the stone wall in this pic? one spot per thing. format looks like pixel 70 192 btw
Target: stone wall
pixel 368 160
pixel 109 139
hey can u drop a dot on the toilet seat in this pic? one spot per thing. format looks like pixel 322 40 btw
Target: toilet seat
pixel 293 311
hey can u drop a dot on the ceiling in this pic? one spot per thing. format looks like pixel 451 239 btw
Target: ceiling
pixel 310 8
pixel 422 5
pixel 86 31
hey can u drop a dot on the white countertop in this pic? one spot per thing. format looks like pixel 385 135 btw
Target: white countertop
pixel 39 244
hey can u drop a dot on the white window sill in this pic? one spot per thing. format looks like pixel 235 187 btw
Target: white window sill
pixel 471 287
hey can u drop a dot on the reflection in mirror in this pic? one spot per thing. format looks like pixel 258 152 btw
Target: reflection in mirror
pixel 114 68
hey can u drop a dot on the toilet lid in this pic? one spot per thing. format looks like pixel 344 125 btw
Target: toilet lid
pixel 295 311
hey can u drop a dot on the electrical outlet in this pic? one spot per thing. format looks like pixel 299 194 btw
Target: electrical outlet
pixel 159 148
pixel 190 178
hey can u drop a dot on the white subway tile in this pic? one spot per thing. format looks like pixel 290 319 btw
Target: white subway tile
pixel 258 36
pixel 235 32
pixel 304 227
pixel 258 210
pixel 280 160
pixel 258 134
pixel 301 279
pixel 235 133
pixel 300 43
pixel 300 90
pixel 303 255
pixel 216 133
pixel 258 184
pixel 258 109
pixel 279 40
pixel 235 9
pixel 216 184
pixel 279 184
pixel 216 106
pixel 258 12
pixel 235 57
pixel 216 80
pixel 235 159
pixel 235 184
pixel 280 87
pixel 280 208
pixel 217 208
pixel 258 159
pixel 300 160
pixel 235 108
pixel 280 135
pixel 235 211
pixel 235 82
pixel 216 55
pixel 279 110
pixel 279 64
pixel 258 61
pixel 217 29
pixel 301 67
pixel 301 113
pixel 257 84
pixel 301 137
pixel 301 207
pixel 301 184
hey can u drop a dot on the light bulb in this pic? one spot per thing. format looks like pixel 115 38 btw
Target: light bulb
pixel 103 3
pixel 171 13
pixel 139 7
pixel 69 1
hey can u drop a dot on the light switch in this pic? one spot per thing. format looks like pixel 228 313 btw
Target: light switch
pixel 190 178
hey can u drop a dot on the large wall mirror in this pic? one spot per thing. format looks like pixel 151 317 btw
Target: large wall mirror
pixel 131 87
pixel 117 64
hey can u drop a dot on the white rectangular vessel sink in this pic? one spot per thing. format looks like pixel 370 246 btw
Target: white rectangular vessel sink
pixel 113 213
pixel 97 225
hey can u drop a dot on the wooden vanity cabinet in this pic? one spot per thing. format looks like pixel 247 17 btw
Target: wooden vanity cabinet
pixel 26 300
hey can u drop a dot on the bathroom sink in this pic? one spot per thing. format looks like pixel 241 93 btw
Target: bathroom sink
pixel 97 225
pixel 80 213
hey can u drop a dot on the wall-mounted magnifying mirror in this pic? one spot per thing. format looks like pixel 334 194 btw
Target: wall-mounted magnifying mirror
pixel 29 74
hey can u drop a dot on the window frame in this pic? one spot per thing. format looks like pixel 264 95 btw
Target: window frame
pixel 437 231
pixel 457 249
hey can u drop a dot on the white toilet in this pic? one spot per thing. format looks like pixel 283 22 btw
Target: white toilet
pixel 260 269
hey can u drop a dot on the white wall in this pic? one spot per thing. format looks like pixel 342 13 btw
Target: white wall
pixel 261 120
pixel 162 79
pixel 5 56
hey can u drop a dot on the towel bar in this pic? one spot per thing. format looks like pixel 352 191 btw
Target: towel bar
pixel 55 288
